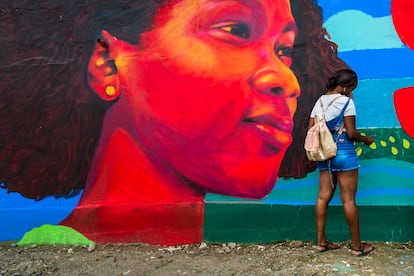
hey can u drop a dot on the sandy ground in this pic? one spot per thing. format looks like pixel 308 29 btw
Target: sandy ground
pixel 282 258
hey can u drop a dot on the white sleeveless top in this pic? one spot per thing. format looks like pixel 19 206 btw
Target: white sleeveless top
pixel 336 107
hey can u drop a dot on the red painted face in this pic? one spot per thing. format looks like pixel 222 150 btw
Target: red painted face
pixel 212 93
pixel 402 16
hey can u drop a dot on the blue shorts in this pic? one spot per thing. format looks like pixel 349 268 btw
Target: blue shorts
pixel 346 158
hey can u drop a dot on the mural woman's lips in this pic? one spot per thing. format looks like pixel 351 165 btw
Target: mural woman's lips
pixel 275 130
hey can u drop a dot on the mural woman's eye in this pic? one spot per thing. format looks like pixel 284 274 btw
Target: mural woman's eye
pixel 285 54
pixel 237 29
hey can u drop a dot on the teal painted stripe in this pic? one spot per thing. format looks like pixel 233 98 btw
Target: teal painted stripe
pixel 385 182
pixel 375 63
pixel 263 223
pixel 375 103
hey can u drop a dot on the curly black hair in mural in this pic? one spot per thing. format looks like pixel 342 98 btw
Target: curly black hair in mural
pixel 50 121
pixel 314 60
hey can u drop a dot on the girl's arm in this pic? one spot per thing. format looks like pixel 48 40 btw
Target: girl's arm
pixel 353 133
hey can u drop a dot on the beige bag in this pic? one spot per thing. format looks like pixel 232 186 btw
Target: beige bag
pixel 319 143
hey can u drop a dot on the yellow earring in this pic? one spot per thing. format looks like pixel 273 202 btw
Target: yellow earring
pixel 110 90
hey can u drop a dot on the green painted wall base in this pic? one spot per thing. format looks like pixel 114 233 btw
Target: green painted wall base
pixel 263 223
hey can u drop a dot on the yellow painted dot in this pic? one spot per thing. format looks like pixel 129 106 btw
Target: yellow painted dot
pixel 363 134
pixel 394 150
pixel 383 143
pixel 406 143
pixel 373 146
pixel 359 151
pixel 392 139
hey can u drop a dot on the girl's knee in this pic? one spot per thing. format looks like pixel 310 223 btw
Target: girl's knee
pixel 347 201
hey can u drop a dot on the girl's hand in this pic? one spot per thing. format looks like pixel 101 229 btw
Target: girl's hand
pixel 368 140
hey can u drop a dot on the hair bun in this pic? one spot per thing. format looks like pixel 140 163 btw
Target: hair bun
pixel 332 83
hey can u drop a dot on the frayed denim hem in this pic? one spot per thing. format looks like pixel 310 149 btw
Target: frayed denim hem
pixel 340 170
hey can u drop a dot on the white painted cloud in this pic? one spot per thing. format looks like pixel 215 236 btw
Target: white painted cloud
pixel 355 30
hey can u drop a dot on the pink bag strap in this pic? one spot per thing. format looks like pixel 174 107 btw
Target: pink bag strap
pixel 330 103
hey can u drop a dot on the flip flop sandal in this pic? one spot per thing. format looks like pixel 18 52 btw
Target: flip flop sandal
pixel 327 246
pixel 362 251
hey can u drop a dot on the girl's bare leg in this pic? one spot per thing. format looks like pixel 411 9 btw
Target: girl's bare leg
pixel 348 183
pixel 321 208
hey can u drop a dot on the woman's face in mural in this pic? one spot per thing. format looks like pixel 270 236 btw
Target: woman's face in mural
pixel 211 91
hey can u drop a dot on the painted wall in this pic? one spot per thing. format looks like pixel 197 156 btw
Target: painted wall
pixel 166 129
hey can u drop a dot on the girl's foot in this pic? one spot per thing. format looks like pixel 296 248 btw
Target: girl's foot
pixel 363 250
pixel 326 246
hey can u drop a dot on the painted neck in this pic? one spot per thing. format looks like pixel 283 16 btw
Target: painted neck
pixel 122 173
pixel 127 200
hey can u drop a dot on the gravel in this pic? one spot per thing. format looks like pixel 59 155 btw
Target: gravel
pixel 280 258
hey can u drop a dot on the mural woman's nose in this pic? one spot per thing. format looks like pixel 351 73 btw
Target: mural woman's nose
pixel 277 83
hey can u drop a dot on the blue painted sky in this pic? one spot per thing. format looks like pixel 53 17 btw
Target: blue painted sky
pixel 360 25
pixel 380 8
pixel 356 30
pixel 368 42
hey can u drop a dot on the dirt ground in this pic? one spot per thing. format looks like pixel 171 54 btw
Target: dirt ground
pixel 281 258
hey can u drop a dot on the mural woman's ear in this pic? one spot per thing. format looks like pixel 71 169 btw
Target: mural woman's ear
pixel 103 75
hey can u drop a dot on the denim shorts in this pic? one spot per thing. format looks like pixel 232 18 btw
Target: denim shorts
pixel 346 158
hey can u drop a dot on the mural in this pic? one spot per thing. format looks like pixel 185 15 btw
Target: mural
pixel 121 119
pixel 403 97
